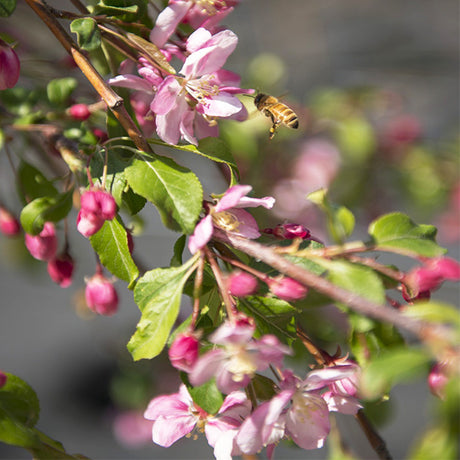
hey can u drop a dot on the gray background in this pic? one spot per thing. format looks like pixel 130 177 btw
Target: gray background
pixel 408 46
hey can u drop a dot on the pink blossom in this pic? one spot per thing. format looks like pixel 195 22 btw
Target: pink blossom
pixel 9 225
pixel 237 358
pixel 437 380
pixel 430 276
pixel 227 216
pixel 241 284
pixel 97 206
pixel 287 288
pixel 101 296
pixel 132 429
pixel 297 411
pixel 60 269
pixel 183 352
pixel 187 106
pixel 176 415
pixel 44 245
pixel 9 66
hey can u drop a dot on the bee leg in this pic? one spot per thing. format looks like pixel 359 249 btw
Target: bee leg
pixel 272 131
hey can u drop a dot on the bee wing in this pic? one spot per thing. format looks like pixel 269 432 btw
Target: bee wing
pixel 151 52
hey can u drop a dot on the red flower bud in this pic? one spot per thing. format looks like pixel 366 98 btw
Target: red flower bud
pixel 9 225
pixel 60 270
pixel 287 288
pixel 101 296
pixel 184 351
pixel 241 284
pixel 289 231
pixel 97 206
pixel 3 379
pixel 9 66
pixel 79 112
pixel 44 245
pixel 437 380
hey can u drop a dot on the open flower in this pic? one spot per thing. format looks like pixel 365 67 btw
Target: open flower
pixel 176 415
pixel 297 411
pixel 238 358
pixel 228 216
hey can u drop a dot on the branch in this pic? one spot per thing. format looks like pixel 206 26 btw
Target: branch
pixel 110 97
pixel 425 331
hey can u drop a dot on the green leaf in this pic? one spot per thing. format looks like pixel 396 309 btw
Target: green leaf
pixel 174 190
pixel 19 410
pixel 45 209
pixel 264 387
pixel 7 8
pixel 434 311
pixel 355 278
pixel 391 367
pixel 33 184
pixel 437 442
pixel 213 148
pixel 356 138
pixel 179 247
pixel 111 245
pixel 60 89
pixel 206 396
pixel 88 35
pixel 398 231
pixel 158 294
pixel 340 220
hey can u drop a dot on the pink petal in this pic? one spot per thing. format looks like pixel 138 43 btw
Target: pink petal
pixel 167 21
pixel 247 226
pixel 222 105
pixel 321 377
pixel 343 404
pixel 201 235
pixel 167 96
pixel 186 126
pixel 174 405
pixel 207 366
pixel 247 202
pixel 224 444
pixel 198 39
pixel 131 82
pixel 232 197
pixel 166 431
pixel 230 333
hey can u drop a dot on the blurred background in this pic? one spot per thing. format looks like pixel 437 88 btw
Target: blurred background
pixel 375 86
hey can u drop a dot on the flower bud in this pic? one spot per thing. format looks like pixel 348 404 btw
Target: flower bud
pixel 60 270
pixel 9 66
pixel 79 112
pixel 183 352
pixel 3 379
pixel 97 206
pixel 241 284
pixel 287 288
pixel 44 245
pixel 9 225
pixel 101 296
pixel 437 380
pixel 290 231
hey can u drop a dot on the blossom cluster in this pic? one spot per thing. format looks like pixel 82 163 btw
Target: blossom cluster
pixel 299 408
pixel 185 106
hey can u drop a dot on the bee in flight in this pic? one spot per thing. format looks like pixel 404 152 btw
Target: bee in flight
pixel 279 113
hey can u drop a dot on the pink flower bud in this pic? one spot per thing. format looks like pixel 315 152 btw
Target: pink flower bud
pixel 60 270
pixel 437 380
pixel 44 245
pixel 241 284
pixel 101 135
pixel 289 231
pixel 79 112
pixel 183 352
pixel 97 206
pixel 9 66
pixel 9 225
pixel 287 288
pixel 3 379
pixel 101 296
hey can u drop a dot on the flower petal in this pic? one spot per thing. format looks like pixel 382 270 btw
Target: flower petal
pixel 207 366
pixel 167 22
pixel 131 82
pixel 166 431
pixel 221 105
pixel 232 197
pixel 201 235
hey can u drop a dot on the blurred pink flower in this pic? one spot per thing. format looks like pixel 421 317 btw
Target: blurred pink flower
pixel 9 66
pixel 239 356
pixel 131 429
pixel 44 245
pixel 101 296
pixel 9 225
pixel 227 216
pixel 437 380
pixel 60 269
pixel 241 284
pixel 287 288
pixel 183 352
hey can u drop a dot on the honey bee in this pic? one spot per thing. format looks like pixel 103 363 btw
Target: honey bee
pixel 279 113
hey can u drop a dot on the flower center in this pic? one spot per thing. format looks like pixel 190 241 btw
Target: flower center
pixel 240 363
pixel 202 88
pixel 226 220
pixel 210 7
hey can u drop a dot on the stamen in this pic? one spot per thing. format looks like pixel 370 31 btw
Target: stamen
pixel 226 220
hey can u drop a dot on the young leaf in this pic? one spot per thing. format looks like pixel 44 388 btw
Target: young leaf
pixel 398 231
pixel 391 367
pixel 111 245
pixel 88 35
pixel 60 89
pixel 7 8
pixel 33 184
pixel 206 396
pixel 174 190
pixel 158 294
pixel 45 209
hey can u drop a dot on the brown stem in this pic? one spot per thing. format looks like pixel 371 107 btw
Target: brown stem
pixel 111 98
pixel 196 293
pixel 377 443
pixel 425 331
pixel 372 263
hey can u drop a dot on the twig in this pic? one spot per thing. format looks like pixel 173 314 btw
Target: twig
pixel 377 443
